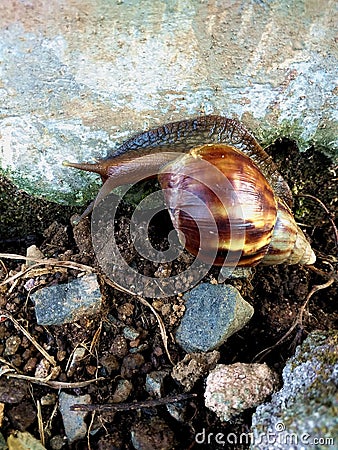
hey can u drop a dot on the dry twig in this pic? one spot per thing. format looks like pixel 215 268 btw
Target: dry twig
pixel 108 407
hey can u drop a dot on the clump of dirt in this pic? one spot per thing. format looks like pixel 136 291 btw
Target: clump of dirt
pixel 124 342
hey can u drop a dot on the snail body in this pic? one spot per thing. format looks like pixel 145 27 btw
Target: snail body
pixel 226 199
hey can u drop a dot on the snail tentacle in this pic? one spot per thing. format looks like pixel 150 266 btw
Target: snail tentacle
pixel 184 135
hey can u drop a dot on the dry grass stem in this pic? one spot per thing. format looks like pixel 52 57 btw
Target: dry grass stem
pixel 40 423
pixel 52 383
pixel 42 262
pixel 148 305
pixel 50 359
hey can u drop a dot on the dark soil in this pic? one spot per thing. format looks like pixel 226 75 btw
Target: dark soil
pixel 277 294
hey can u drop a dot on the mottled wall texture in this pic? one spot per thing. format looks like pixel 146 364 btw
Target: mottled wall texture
pixel 77 77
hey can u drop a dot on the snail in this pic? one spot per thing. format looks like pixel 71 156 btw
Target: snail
pixel 224 194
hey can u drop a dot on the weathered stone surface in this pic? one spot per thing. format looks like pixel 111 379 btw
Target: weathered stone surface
pixel 64 303
pixel 193 366
pixel 155 382
pixel 213 313
pixel 231 389
pixel 23 441
pixel 73 421
pixel 78 77
pixel 304 411
pixel 12 391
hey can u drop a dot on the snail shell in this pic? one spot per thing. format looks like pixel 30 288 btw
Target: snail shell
pixel 225 196
pixel 250 224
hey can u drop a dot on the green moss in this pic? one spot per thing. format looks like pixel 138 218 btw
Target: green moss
pixel 22 215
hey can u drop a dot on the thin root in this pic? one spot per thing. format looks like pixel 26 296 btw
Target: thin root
pixel 297 323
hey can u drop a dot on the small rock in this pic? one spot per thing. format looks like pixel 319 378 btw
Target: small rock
pixel 12 345
pixel 131 364
pixel 140 348
pixel 119 347
pixel 234 273
pixel 213 314
pixel 91 370
pixel 73 421
pixel 48 400
pixel 125 310
pixel 24 441
pixel 64 303
pixel 30 365
pixel 12 391
pixel 110 363
pixel 27 353
pixel 231 389
pixel 122 391
pixel 42 369
pixel 130 333
pixel 306 406
pixel 82 237
pixel 178 411
pixel 154 434
pixel 33 252
pixel 193 366
pixel 16 360
pixel 30 284
pixel 56 442
pixel 78 355
pixel 22 416
pixel 155 382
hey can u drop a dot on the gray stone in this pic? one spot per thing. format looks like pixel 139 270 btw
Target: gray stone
pixel 64 303
pixel 33 252
pixel 130 333
pixel 178 411
pixel 271 64
pixel 122 391
pixel 213 313
pixel 231 389
pixel 155 382
pixel 305 409
pixel 73 421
